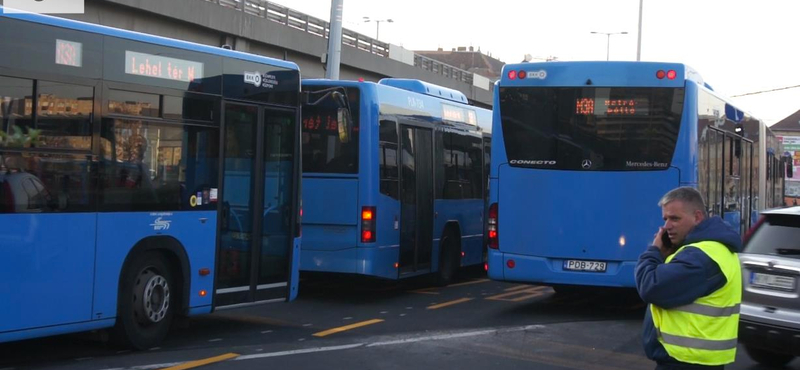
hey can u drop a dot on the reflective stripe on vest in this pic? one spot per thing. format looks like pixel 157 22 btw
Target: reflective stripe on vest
pixel 705 310
pixel 707 344
pixel 705 331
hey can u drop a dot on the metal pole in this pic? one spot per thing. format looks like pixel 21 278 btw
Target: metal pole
pixel 639 42
pixel 335 40
pixel 608 45
pixel 377 30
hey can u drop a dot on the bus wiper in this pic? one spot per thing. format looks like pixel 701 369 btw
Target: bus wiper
pixel 787 251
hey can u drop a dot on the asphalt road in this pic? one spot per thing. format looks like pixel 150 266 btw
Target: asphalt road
pixel 349 323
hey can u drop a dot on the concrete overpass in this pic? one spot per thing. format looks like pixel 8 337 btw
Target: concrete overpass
pixel 269 29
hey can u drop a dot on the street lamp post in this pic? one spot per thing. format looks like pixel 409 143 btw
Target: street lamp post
pixel 377 25
pixel 639 40
pixel 608 40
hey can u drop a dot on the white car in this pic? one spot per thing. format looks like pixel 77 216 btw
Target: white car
pixel 769 325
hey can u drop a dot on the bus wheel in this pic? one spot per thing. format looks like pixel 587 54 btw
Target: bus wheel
pixel 449 262
pixel 145 307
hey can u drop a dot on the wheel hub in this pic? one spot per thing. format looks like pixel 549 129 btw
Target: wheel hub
pixel 154 305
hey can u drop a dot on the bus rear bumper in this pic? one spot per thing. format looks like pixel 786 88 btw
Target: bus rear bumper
pixel 369 261
pixel 550 271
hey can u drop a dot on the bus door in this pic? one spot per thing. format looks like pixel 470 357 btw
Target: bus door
pixel 255 237
pixel 730 178
pixel 416 199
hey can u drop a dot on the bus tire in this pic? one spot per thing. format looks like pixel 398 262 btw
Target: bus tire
pixel 146 303
pixel 449 262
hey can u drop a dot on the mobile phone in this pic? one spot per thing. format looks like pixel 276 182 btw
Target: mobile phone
pixel 665 241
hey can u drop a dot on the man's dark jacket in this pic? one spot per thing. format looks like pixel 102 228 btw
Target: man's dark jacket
pixel 690 275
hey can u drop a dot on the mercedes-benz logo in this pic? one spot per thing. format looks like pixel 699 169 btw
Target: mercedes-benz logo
pixel 586 164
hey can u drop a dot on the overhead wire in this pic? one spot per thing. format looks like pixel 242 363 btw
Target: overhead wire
pixel 766 91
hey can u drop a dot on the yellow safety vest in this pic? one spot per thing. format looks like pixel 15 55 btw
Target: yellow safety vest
pixel 705 331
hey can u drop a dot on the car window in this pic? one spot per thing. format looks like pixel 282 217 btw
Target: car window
pixel 778 235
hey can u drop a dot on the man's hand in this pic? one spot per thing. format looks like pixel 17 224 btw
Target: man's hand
pixel 659 243
pixel 657 240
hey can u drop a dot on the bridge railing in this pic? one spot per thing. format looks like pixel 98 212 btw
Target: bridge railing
pixel 318 27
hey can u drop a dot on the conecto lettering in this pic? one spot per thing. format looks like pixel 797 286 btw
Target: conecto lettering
pixel 533 162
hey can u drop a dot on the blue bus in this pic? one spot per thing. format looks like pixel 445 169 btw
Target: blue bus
pixel 140 178
pixel 583 151
pixel 400 193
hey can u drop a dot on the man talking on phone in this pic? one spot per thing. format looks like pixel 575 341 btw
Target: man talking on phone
pixel 691 279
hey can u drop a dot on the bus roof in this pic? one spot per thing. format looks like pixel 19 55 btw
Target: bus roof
pixel 598 74
pixel 142 37
pixel 422 87
pixel 405 98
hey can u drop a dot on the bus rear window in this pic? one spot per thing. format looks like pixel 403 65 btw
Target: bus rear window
pixel 325 148
pixel 591 128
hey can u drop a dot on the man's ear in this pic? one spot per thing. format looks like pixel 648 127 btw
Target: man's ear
pixel 698 216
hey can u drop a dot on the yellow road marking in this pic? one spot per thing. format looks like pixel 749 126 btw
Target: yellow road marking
pixel 519 294
pixel 424 291
pixel 518 287
pixel 469 282
pixel 346 327
pixel 457 301
pixel 204 362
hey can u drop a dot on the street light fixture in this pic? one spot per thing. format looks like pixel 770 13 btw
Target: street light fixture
pixel 377 25
pixel 608 41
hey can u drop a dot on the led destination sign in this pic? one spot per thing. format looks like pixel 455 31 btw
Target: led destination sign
pixel 156 66
pixel 69 53
pixel 610 107
pixel 458 114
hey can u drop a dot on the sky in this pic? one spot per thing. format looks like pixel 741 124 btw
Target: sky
pixel 739 47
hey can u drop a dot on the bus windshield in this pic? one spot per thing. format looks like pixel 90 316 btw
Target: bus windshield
pixel 591 128
pixel 325 148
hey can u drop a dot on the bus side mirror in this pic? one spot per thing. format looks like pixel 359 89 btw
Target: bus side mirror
pixel 345 124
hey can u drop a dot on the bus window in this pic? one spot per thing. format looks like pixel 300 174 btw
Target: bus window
pixel 587 128
pixel 463 162
pixel 327 148
pixel 157 166
pixel 15 95
pixel 38 182
pixel 387 153
pixel 64 114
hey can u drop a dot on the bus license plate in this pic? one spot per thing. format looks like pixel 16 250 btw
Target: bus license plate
pixel 592 266
pixel 769 281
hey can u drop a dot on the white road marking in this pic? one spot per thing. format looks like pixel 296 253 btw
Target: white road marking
pixel 351 346
pixel 298 351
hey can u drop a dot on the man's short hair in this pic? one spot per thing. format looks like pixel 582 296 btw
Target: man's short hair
pixel 688 195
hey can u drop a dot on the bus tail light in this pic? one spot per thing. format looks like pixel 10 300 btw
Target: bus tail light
pixel 368 224
pixel 522 74
pixel 512 75
pixel 671 74
pixel 492 229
